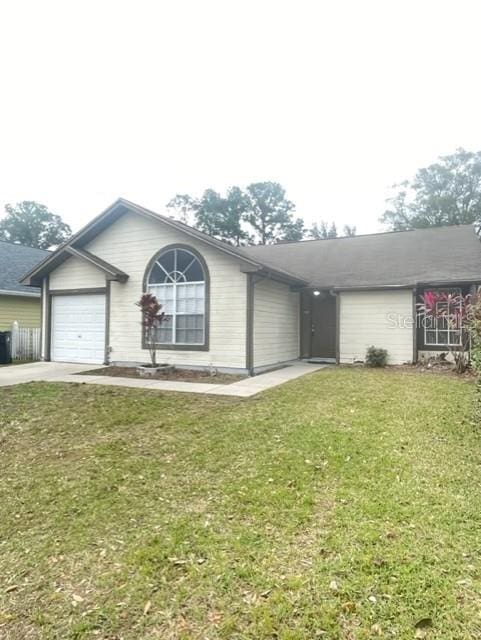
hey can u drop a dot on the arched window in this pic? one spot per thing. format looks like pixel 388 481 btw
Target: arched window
pixel 178 279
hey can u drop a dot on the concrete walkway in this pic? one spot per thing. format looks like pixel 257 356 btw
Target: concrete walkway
pixel 66 372
pixel 40 371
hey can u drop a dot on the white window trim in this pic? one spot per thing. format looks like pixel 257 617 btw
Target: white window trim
pixel 170 282
pixel 176 313
pixel 436 330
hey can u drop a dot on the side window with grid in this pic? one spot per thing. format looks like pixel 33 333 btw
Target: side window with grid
pixel 443 330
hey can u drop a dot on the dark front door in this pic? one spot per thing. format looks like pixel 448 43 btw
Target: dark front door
pixel 319 325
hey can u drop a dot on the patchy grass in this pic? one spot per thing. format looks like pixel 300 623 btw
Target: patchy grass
pixel 346 504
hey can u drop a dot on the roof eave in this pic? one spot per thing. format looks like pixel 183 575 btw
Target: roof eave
pixel 372 287
pixel 442 283
pixel 111 272
pixel 275 274
pixel 33 278
pixel 19 294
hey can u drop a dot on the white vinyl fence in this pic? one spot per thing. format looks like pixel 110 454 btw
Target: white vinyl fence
pixel 25 343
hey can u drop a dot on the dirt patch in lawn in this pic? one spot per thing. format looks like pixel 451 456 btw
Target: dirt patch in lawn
pixel 181 375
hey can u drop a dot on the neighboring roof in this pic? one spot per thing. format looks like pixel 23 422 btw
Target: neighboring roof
pixel 119 208
pixel 15 260
pixel 401 258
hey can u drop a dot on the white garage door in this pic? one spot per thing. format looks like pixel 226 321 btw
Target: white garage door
pixel 78 328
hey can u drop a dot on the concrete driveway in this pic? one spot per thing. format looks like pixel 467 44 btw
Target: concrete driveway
pixel 39 371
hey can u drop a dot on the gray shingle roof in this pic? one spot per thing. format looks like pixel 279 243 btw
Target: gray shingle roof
pixel 439 254
pixel 15 261
pixel 405 258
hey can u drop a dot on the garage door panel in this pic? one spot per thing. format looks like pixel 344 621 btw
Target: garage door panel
pixel 78 328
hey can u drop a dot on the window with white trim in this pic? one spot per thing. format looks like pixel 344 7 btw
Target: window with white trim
pixel 444 331
pixel 177 280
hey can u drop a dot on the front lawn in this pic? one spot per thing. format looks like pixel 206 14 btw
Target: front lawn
pixel 343 505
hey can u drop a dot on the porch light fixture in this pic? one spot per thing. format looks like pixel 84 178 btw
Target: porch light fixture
pixel 316 292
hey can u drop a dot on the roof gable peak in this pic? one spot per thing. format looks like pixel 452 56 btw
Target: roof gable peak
pixel 122 206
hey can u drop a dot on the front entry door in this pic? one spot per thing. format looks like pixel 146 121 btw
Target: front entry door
pixel 323 318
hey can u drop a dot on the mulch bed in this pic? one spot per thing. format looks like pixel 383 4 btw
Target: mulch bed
pixel 440 368
pixel 437 368
pixel 181 375
pixel 443 368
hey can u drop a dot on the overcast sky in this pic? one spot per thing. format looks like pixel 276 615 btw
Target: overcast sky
pixel 145 99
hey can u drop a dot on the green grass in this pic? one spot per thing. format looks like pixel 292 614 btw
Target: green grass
pixel 346 504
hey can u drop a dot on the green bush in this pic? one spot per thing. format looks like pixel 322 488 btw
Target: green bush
pixel 376 357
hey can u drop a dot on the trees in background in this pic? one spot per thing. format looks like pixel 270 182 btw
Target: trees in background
pixel 222 217
pixel 270 214
pixel 259 214
pixel 323 231
pixel 447 192
pixel 326 231
pixel 32 224
pixel 349 230
pixel 182 207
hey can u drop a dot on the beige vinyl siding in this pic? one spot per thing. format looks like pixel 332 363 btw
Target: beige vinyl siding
pixel 76 274
pixel 379 318
pixel 129 244
pixel 24 310
pixel 276 323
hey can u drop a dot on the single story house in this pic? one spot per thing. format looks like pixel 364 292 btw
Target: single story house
pixel 245 309
pixel 18 302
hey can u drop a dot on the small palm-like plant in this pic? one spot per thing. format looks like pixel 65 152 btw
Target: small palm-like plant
pixel 152 318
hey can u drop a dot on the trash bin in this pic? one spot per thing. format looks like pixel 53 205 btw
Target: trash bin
pixel 5 347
